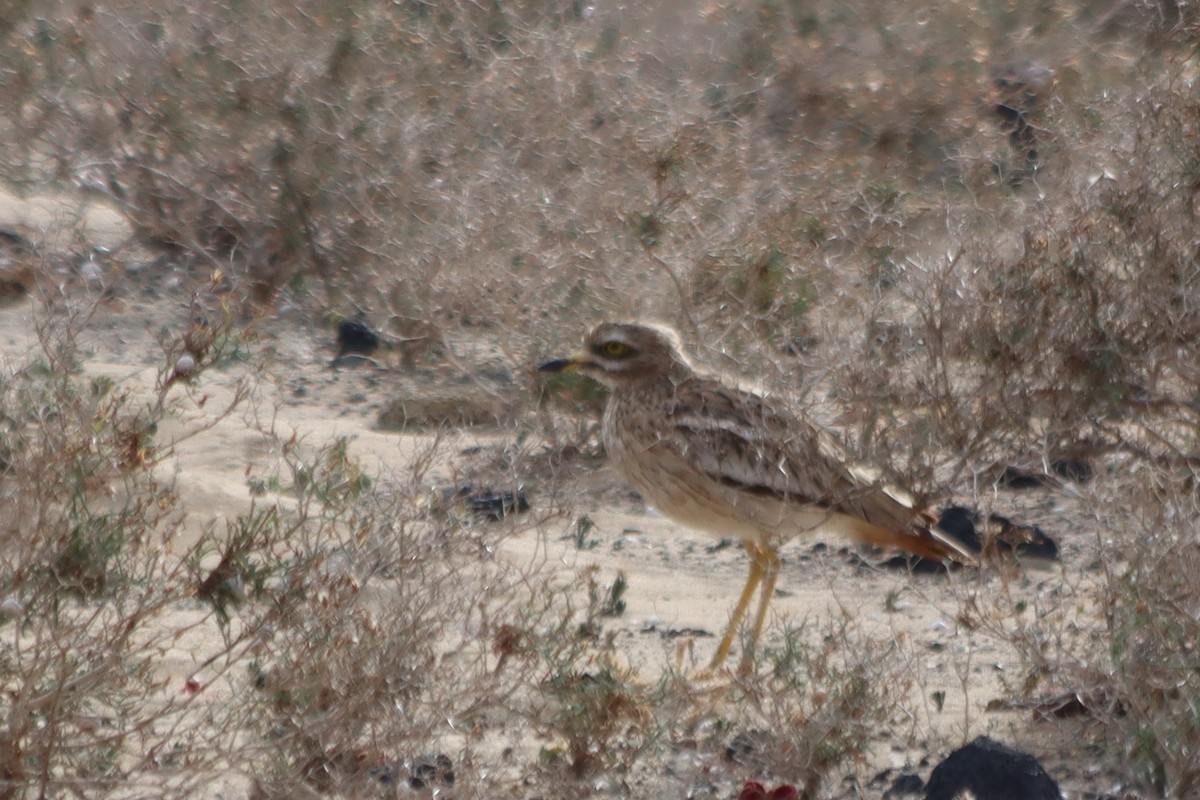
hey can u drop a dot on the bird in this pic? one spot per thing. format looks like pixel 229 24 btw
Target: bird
pixel 733 461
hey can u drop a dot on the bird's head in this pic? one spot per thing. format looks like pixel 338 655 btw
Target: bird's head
pixel 622 353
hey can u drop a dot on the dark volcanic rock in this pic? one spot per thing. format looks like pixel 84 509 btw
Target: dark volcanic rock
pixel 990 771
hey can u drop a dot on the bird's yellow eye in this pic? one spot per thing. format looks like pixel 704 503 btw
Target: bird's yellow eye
pixel 615 349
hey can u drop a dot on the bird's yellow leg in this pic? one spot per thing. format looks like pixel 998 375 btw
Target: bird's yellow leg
pixel 756 553
pixel 768 567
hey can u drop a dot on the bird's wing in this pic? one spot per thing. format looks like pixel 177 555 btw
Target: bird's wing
pixel 739 438
pixel 742 439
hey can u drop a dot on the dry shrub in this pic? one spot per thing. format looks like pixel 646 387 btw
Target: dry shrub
pixel 816 702
pixel 311 142
pixel 510 165
pixel 1152 605
pixel 379 648
pixel 1084 327
pixel 1048 328
pixel 391 634
pixel 363 634
pixel 89 578
pixel 1071 336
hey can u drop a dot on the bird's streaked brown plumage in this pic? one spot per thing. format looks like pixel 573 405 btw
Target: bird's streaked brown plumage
pixel 735 462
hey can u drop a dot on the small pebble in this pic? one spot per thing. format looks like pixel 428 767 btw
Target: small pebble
pixel 12 608
pixel 92 272
pixel 185 366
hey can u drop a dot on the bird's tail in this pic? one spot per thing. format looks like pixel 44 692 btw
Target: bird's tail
pixel 957 534
pixel 925 541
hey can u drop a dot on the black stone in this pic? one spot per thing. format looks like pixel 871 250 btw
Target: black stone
pixel 490 504
pixel 1001 535
pixel 1016 478
pixel 906 783
pixel 990 770
pixel 917 565
pixel 355 337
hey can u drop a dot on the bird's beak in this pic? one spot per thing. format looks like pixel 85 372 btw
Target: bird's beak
pixel 569 364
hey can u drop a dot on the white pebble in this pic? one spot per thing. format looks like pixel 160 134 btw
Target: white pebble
pixel 186 365
pixel 92 272
pixel 11 608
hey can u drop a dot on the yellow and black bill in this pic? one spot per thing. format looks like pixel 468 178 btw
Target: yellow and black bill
pixel 563 364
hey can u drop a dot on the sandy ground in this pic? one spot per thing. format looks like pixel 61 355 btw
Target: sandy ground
pixel 682 583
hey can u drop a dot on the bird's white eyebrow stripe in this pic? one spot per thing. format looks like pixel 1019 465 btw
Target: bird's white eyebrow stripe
pixel 615 336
